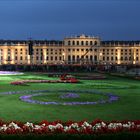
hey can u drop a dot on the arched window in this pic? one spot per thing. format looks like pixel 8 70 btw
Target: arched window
pixel 91 43
pixel 73 42
pixel 86 42
pixel 69 43
pixel 77 42
pixel 82 43
pixel 95 43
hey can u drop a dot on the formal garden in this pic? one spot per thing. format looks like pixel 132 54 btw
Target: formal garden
pixel 74 103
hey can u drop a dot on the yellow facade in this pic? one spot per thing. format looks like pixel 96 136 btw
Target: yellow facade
pixel 73 50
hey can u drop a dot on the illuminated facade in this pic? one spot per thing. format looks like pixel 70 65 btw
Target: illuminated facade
pixel 73 50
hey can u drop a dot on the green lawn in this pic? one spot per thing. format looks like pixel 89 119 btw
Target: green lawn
pixel 127 107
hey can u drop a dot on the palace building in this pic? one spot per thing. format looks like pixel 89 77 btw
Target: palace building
pixel 72 50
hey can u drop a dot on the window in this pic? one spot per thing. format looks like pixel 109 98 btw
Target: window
pixel 82 43
pixel 91 43
pixel 8 58
pixel 95 43
pixel 51 57
pixel 86 42
pixel 73 42
pixel 55 57
pixel 95 57
pixel 125 58
pixel 21 58
pixel 69 43
pixel 69 58
pixel 107 58
pixel 41 58
pixel 15 57
pixel 77 42
pixel 73 57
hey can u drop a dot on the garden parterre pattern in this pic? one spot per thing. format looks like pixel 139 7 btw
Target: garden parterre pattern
pixel 72 93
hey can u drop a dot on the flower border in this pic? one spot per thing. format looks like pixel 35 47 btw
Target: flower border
pixel 69 127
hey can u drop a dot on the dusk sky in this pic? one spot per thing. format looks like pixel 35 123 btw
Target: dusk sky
pixel 56 19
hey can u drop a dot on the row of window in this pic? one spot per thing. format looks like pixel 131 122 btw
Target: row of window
pixel 82 43
pixel 75 58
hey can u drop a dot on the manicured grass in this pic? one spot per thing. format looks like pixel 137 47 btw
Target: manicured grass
pixel 127 107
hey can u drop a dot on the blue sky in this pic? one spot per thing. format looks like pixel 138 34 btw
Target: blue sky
pixel 56 19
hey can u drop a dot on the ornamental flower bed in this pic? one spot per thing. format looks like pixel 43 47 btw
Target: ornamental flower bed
pixel 23 82
pixel 69 127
